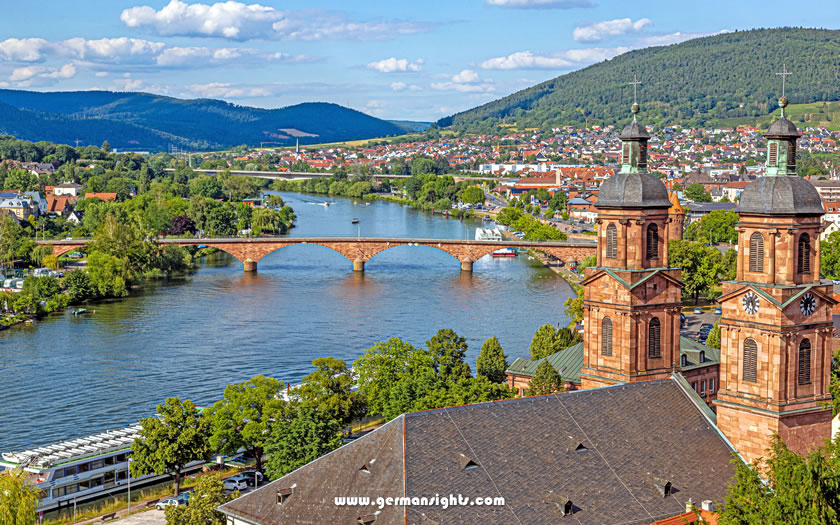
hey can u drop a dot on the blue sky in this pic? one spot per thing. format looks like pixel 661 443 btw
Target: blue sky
pixel 417 60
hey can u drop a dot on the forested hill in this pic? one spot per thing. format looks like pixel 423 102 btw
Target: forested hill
pixel 141 121
pixel 701 81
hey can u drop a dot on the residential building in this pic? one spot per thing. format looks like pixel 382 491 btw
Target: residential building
pixel 68 189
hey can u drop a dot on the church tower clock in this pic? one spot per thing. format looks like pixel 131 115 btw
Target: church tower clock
pixel 632 297
pixel 776 323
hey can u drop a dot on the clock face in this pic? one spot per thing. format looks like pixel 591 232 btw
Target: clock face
pixel 750 303
pixel 807 304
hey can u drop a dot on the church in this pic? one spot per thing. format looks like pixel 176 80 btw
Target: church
pixel 634 443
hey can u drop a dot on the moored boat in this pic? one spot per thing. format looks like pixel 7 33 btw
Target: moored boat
pixel 504 252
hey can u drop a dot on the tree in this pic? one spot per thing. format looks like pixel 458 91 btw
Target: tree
pixel 18 498
pixel 697 193
pixel 448 350
pixel 379 370
pixel 169 442
pixel 701 266
pixel 208 495
pixel 829 255
pixel 206 186
pixel 713 339
pixel 309 435
pixel 329 391
pixel 422 166
pixel 472 195
pixel 546 380
pixel 108 275
pixel 492 362
pixel 574 305
pixel 798 489
pixel 245 416
pixel 180 225
pixel 547 340
pixel 106 147
pixel 79 286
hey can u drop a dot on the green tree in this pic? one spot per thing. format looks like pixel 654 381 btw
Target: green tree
pixel 108 275
pixel 697 193
pixel 802 490
pixel 448 351
pixel 713 339
pixel 701 266
pixel 492 362
pixel 209 494
pixel 79 286
pixel 169 442
pixel 829 255
pixel 422 166
pixel 574 304
pixel 547 340
pixel 243 419
pixel 206 186
pixel 379 370
pixel 308 436
pixel 472 195
pixel 18 498
pixel 546 380
pixel 329 391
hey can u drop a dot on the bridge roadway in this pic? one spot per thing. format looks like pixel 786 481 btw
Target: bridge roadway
pixel 301 175
pixel 249 250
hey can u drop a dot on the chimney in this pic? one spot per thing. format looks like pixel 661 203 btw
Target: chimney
pixel 689 505
pixel 708 505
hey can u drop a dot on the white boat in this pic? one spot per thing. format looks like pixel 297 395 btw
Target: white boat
pixel 82 469
pixel 488 234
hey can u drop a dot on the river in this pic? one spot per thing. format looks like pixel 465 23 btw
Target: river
pixel 67 377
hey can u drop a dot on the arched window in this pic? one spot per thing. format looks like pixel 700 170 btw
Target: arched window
pixel 756 252
pixel 683 360
pixel 654 345
pixel 606 336
pixel 805 362
pixel 702 356
pixel 803 263
pixel 652 242
pixel 774 153
pixel 612 242
pixel 750 360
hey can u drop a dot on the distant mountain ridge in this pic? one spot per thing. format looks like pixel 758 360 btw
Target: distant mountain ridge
pixel 153 122
pixel 697 82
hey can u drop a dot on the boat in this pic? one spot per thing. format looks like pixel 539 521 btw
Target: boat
pixel 82 469
pixel 504 252
pixel 488 234
pixel 355 221
pixel 79 311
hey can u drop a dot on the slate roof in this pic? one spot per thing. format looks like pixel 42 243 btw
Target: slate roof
pixel 633 190
pixel 780 195
pixel 782 129
pixel 605 449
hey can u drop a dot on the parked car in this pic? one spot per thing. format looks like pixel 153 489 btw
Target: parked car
pixel 718 311
pixel 182 499
pixel 698 310
pixel 836 281
pixel 682 319
pixel 236 483
pixel 249 476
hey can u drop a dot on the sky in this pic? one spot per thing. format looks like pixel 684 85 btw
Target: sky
pixel 411 60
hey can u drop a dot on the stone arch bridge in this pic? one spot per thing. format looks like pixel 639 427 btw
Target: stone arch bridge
pixel 249 251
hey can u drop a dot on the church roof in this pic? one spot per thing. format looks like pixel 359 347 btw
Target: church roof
pixel 780 195
pixel 634 131
pixel 633 190
pixel 782 129
pixel 676 206
pixel 607 450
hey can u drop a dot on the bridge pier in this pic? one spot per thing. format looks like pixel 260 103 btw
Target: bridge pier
pixel 359 265
pixel 250 265
pixel 466 265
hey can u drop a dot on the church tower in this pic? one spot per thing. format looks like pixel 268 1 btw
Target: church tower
pixel 631 298
pixel 776 323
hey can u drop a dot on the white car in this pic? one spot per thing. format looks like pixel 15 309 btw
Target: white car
pixel 236 483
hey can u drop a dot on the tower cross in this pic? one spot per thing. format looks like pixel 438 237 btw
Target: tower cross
pixel 635 84
pixel 783 74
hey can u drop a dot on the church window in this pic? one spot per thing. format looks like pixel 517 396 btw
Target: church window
pixel 625 154
pixel 606 336
pixel 654 344
pixel 756 252
pixel 652 242
pixel 805 362
pixel 750 360
pixel 612 242
pixel 791 160
pixel 804 261
pixel 642 155
pixel 774 154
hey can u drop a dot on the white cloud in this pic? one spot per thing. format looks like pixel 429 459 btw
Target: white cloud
pixel 393 64
pixel 108 49
pixel 541 4
pixel 128 84
pixel 463 88
pixel 286 58
pixel 65 71
pixel 559 60
pixel 224 90
pixel 23 50
pixel 374 107
pixel 675 38
pixel 101 74
pixel 620 26
pixel 238 21
pixel 466 76
pixel 23 74
pixel 402 86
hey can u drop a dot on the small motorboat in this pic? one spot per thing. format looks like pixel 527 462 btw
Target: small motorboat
pixel 355 221
pixel 79 311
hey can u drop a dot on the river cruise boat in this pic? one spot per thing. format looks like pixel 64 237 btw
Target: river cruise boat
pixel 82 469
pixel 504 252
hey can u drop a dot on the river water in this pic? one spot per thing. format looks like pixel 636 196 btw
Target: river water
pixel 67 377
